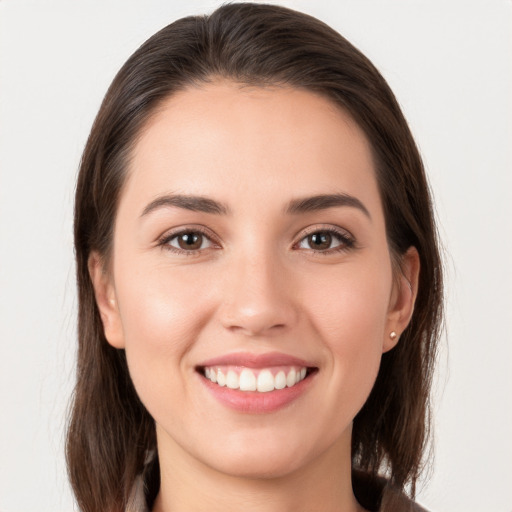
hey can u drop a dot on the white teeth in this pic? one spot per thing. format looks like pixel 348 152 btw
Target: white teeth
pixel 232 380
pixel 290 379
pixel 280 380
pixel 265 381
pixel 221 378
pixel 262 381
pixel 247 380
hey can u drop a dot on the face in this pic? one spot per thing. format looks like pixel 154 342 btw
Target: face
pixel 251 282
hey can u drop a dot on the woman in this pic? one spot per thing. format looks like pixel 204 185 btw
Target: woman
pixel 259 280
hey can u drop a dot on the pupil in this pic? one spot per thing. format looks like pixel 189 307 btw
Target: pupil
pixel 320 240
pixel 190 241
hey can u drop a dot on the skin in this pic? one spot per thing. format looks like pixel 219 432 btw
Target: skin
pixel 255 285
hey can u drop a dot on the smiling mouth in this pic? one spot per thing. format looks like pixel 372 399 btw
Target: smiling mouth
pixel 262 380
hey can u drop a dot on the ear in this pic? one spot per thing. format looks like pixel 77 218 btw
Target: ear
pixel 106 300
pixel 403 297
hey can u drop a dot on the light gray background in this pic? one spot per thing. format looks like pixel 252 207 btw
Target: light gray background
pixel 449 63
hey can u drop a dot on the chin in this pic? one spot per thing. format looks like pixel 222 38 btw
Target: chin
pixel 258 465
pixel 268 453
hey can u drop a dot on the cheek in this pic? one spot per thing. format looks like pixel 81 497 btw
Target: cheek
pixel 161 307
pixel 352 303
pixel 349 313
pixel 161 317
pixel 155 311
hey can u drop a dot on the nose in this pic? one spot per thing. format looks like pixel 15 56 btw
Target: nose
pixel 259 297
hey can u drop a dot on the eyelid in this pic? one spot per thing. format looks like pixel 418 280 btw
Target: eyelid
pixel 349 241
pixel 163 240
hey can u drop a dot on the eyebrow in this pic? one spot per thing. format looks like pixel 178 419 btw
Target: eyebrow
pixel 294 207
pixel 323 202
pixel 187 202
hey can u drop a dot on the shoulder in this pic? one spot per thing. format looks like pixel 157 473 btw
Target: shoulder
pixel 378 495
pixel 395 501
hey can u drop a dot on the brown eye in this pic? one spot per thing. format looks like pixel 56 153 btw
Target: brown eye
pixel 326 241
pixel 320 241
pixel 189 241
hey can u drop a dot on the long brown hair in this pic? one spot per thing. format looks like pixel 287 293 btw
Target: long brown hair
pixel 110 432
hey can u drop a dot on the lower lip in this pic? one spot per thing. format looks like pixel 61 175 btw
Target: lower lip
pixel 255 402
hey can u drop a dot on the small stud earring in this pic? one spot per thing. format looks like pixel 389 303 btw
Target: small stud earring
pixel 393 335
pixel 112 301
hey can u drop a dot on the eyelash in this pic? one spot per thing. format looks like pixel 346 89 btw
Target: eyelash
pixel 346 241
pixel 164 242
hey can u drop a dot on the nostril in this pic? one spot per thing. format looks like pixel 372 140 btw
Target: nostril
pixel 255 326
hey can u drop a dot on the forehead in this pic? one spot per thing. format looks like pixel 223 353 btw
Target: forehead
pixel 223 138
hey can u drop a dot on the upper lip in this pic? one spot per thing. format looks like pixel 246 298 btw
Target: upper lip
pixel 249 360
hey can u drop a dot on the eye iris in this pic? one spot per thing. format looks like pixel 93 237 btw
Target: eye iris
pixel 190 241
pixel 321 240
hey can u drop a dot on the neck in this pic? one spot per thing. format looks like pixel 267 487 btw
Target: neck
pixel 187 485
